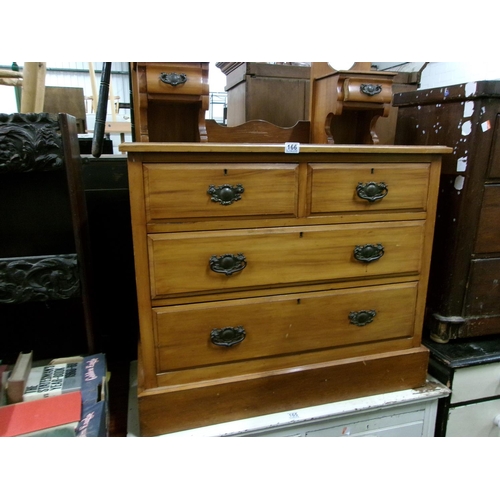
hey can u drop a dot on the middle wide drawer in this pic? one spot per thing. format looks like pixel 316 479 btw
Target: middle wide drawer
pixel 221 261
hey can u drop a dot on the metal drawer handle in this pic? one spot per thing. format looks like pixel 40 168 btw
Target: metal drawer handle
pixel 228 263
pixel 225 194
pixel 369 252
pixel 173 79
pixel 362 318
pixel 372 191
pixel 227 336
pixel 370 89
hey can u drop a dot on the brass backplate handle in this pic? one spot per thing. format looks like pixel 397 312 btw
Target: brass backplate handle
pixel 369 252
pixel 227 336
pixel 372 191
pixel 225 194
pixel 362 318
pixel 370 88
pixel 228 263
pixel 173 79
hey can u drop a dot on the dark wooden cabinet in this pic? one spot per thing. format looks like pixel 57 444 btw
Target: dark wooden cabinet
pixel 45 275
pixel 464 292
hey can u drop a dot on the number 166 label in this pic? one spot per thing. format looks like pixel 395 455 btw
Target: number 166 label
pixel 292 147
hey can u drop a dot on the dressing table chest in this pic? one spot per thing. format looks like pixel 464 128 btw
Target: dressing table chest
pixel 270 280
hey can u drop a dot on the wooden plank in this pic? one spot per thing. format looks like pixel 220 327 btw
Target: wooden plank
pixel 163 411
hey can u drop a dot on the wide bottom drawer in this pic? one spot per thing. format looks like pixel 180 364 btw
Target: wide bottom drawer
pixel 215 333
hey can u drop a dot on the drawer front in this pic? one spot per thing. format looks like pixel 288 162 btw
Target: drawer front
pixel 475 420
pixel 367 90
pixel 482 292
pixel 406 424
pixel 273 326
pixel 476 382
pixel 220 190
pixel 185 79
pixel 206 261
pixel 488 231
pixel 352 187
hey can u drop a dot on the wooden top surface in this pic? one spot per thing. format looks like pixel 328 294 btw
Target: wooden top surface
pixel 203 147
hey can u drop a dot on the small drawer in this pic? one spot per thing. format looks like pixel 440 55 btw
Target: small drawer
pixel 218 261
pixel 351 187
pixel 475 382
pixel 204 192
pixel 367 90
pixel 474 420
pixel 198 335
pixel 482 294
pixel 176 79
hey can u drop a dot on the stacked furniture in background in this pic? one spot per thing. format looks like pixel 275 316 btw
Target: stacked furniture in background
pixel 170 101
pixel 463 305
pixel 45 299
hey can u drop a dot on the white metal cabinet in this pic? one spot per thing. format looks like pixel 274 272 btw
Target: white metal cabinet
pixel 474 420
pixel 472 371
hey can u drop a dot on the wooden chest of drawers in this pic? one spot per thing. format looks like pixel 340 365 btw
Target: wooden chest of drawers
pixel 268 281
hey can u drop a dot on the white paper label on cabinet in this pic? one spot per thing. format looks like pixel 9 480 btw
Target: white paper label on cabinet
pixel 292 147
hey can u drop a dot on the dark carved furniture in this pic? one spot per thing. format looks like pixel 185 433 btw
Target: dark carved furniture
pixel 464 296
pixel 45 300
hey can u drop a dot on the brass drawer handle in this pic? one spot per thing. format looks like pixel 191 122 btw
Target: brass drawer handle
pixel 368 253
pixel 370 89
pixel 228 263
pixel 225 194
pixel 173 79
pixel 372 191
pixel 362 318
pixel 227 336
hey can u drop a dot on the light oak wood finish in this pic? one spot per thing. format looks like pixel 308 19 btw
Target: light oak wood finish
pixel 297 223
pixel 258 131
pixel 345 105
pixel 170 100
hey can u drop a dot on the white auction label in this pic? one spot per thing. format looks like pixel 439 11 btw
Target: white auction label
pixel 292 147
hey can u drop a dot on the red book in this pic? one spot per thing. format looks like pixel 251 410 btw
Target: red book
pixel 24 418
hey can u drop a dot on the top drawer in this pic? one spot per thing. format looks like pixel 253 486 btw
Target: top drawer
pixel 183 78
pixel 367 91
pixel 352 187
pixel 204 191
pixel 476 382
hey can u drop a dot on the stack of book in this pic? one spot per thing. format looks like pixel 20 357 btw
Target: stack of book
pixel 65 397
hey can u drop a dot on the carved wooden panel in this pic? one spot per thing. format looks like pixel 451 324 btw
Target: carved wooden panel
pixel 30 142
pixel 51 277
